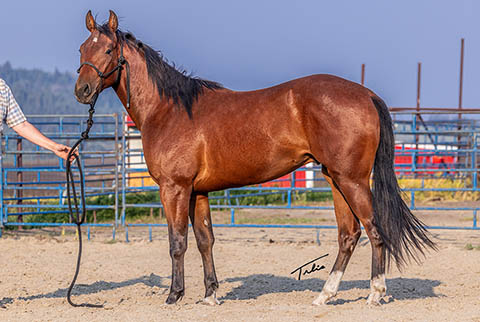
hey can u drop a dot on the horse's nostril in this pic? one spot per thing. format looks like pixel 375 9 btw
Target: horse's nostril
pixel 86 90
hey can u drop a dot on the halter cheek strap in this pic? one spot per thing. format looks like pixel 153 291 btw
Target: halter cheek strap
pixel 120 62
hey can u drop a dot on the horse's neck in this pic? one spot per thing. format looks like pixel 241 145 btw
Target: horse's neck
pixel 143 93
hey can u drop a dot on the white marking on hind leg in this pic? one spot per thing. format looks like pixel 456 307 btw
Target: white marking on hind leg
pixel 211 300
pixel 330 288
pixel 378 289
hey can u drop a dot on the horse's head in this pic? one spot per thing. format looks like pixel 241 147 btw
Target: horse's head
pixel 99 60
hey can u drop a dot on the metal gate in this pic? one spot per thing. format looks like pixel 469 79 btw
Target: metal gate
pixel 430 148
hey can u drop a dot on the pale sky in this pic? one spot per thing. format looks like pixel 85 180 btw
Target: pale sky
pixel 251 44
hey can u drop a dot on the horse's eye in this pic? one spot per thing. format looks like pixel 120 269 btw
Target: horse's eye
pixel 108 52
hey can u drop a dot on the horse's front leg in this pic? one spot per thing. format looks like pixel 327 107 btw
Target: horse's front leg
pixel 202 227
pixel 176 201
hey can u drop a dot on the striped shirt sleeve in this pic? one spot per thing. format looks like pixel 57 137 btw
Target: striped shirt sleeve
pixel 13 114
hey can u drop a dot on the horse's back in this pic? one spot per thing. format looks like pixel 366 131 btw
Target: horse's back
pixel 239 138
pixel 256 136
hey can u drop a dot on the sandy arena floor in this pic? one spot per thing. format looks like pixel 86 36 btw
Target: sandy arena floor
pixel 253 267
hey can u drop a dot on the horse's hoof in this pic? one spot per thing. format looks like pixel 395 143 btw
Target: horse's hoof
pixel 174 297
pixel 211 300
pixel 322 299
pixel 374 299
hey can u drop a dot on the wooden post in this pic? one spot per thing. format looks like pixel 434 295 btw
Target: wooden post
pixel 417 116
pixel 460 90
pixel 19 179
pixel 363 75
pixel 460 93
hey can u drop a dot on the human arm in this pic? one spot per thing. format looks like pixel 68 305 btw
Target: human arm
pixel 31 133
pixel 15 119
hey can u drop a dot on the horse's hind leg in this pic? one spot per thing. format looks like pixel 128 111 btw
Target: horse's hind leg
pixel 348 235
pixel 359 197
pixel 202 227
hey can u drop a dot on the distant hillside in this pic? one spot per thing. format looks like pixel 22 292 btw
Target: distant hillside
pixel 40 92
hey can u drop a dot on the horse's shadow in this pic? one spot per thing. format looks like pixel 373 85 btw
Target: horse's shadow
pixel 256 285
pixel 151 280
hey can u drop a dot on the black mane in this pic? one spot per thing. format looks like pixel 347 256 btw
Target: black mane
pixel 171 83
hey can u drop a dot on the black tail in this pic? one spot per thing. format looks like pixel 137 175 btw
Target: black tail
pixel 404 236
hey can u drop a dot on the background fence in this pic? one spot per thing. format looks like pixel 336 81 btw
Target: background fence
pixel 437 156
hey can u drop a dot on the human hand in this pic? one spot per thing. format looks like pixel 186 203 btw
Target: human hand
pixel 63 150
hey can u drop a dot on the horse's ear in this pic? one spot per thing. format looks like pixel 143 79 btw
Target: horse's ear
pixel 113 22
pixel 90 22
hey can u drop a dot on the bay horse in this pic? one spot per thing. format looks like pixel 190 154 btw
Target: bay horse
pixel 200 137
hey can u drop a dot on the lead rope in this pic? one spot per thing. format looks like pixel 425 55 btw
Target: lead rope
pixel 78 218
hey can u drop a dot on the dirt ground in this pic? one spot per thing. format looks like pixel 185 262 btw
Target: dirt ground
pixel 253 267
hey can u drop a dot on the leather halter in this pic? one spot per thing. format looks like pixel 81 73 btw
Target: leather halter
pixel 120 62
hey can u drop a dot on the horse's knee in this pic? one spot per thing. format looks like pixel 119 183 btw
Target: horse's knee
pixel 178 247
pixel 205 241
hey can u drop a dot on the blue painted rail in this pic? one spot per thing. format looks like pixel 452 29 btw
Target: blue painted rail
pixel 32 180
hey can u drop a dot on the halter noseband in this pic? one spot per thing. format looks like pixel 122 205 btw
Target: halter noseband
pixel 120 62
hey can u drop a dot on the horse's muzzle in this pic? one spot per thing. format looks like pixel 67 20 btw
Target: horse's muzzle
pixel 84 93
